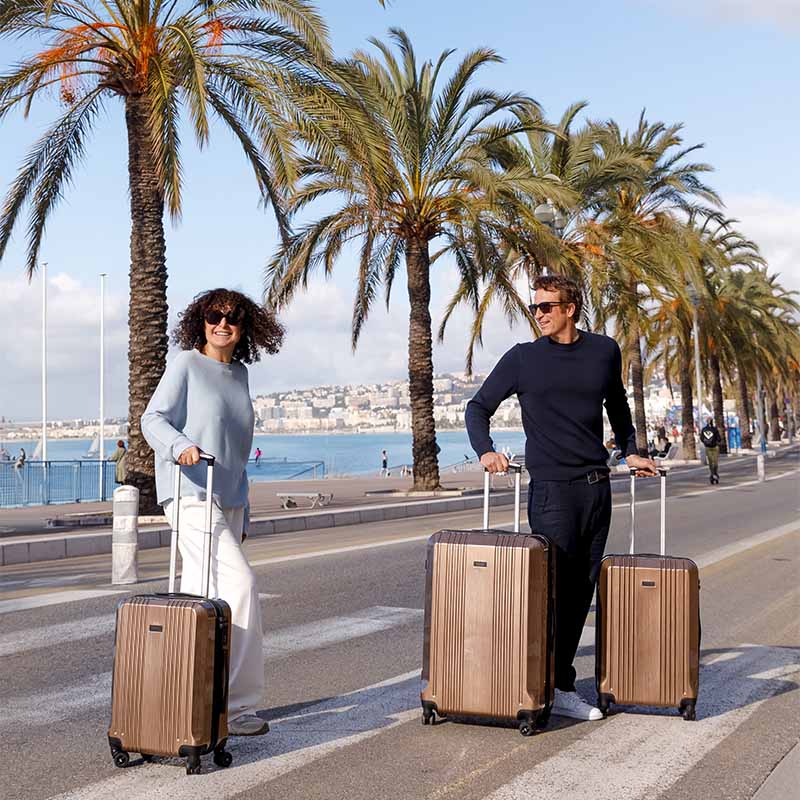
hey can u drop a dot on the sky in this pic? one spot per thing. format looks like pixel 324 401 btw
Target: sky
pixel 726 69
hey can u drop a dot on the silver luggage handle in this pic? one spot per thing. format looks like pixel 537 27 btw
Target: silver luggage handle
pixel 663 474
pixel 174 521
pixel 517 470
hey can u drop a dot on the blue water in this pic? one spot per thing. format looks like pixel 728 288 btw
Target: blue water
pixel 342 454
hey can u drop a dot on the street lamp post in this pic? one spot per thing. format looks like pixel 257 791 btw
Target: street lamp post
pixel 760 463
pixel 695 300
pixel 549 214
pixel 44 363
pixel 102 431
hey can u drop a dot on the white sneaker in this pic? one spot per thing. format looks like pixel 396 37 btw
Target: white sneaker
pixel 247 725
pixel 570 704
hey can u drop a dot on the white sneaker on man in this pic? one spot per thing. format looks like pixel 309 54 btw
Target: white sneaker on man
pixel 247 725
pixel 570 704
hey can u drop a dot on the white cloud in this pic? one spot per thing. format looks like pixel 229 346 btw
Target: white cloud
pixel 73 349
pixel 783 13
pixel 774 225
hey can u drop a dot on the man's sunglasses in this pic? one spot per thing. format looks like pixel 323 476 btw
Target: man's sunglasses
pixel 546 308
pixel 234 316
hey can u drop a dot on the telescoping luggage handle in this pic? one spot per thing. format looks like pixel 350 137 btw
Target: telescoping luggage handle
pixel 176 506
pixel 517 470
pixel 663 474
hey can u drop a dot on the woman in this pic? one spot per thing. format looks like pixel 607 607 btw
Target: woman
pixel 118 456
pixel 202 404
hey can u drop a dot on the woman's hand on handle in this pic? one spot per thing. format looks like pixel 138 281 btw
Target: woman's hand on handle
pixel 190 456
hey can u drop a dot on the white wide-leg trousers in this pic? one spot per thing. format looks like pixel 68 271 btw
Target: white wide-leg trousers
pixel 232 580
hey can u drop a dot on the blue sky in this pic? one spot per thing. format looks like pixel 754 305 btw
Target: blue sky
pixel 726 68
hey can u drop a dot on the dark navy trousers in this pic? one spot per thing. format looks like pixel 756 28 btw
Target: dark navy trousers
pixel 575 516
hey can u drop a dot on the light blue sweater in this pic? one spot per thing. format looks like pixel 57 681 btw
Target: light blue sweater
pixel 202 402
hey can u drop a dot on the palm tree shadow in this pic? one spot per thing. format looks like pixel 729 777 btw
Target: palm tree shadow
pixel 730 678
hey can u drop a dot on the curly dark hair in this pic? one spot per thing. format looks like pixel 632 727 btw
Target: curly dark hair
pixel 260 329
pixel 568 290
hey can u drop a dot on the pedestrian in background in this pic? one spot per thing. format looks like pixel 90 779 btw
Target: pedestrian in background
pixel 710 437
pixel 384 464
pixel 19 464
pixel 202 404
pixel 120 457
pixel 258 456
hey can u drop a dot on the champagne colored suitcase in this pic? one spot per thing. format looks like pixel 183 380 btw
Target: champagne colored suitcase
pixel 648 626
pixel 171 661
pixel 489 624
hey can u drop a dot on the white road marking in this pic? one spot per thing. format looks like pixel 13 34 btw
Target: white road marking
pixel 39 708
pixel 292 743
pixel 26 639
pixel 53 599
pixel 638 755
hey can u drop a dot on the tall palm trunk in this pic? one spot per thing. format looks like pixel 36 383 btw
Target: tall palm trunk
pixel 742 409
pixel 420 366
pixel 774 415
pixel 637 379
pixel 717 401
pixel 147 315
pixel 687 401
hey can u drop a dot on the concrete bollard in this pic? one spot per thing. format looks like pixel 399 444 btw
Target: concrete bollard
pixel 125 536
pixel 760 467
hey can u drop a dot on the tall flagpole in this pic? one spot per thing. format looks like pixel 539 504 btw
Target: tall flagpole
pixel 44 361
pixel 102 450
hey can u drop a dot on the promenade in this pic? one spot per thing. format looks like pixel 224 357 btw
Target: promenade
pixel 343 628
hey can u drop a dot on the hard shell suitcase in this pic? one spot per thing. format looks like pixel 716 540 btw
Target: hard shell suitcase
pixel 648 626
pixel 489 624
pixel 171 662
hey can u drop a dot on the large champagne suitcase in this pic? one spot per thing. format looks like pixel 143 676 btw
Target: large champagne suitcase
pixel 489 624
pixel 648 626
pixel 171 660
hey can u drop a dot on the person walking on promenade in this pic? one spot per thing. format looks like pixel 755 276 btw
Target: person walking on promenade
pixel 120 457
pixel 258 456
pixel 562 381
pixel 19 464
pixel 202 404
pixel 384 464
pixel 710 437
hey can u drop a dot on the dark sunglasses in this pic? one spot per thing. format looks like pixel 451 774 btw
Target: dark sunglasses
pixel 234 316
pixel 546 308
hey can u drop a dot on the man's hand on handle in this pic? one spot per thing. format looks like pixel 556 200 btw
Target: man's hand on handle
pixel 494 462
pixel 189 457
pixel 645 467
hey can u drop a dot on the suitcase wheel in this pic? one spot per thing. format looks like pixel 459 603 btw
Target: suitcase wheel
pixel 193 765
pixel 428 717
pixel 121 758
pixel 222 758
pixel 146 757
pixel 527 728
pixel 688 712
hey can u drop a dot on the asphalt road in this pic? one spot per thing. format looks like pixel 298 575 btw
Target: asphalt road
pixel 342 610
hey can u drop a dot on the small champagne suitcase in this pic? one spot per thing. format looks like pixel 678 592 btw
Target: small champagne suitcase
pixel 648 626
pixel 489 624
pixel 171 660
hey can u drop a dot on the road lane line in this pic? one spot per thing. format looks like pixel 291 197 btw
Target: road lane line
pixel 38 708
pixel 31 638
pixel 54 598
pixel 292 743
pixel 639 755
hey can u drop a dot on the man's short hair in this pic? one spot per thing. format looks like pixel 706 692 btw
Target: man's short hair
pixel 568 290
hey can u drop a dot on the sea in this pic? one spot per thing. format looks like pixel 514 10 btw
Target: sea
pixel 343 454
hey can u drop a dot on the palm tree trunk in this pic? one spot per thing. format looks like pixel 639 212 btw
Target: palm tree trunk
pixel 774 415
pixel 147 315
pixel 742 409
pixel 420 366
pixel 687 401
pixel 637 379
pixel 717 401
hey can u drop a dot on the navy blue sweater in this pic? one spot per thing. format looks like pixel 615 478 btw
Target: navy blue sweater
pixel 561 390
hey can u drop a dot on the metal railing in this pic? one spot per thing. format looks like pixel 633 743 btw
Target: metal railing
pixel 43 482
pixel 38 483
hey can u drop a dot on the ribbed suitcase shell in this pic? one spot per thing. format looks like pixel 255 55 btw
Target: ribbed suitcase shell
pixel 648 632
pixel 489 626
pixel 170 678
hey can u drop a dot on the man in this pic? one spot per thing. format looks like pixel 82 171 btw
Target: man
pixel 562 380
pixel 711 438
pixel 384 464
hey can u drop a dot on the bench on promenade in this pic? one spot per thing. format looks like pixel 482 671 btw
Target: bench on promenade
pixel 318 499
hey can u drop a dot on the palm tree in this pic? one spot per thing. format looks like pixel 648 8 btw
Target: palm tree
pixel 417 172
pixel 164 61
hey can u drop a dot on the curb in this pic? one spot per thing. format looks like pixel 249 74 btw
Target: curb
pixel 75 545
